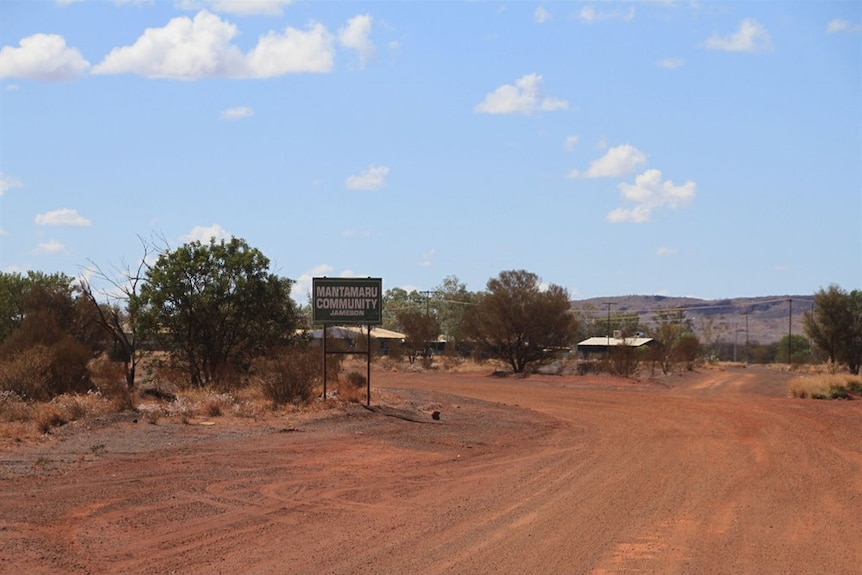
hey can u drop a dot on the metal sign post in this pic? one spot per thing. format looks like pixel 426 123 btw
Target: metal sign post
pixel 347 301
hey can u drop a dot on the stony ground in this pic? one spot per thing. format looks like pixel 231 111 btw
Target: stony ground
pixel 713 472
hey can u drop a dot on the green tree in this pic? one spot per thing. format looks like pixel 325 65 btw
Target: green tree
pixel 49 325
pixel 13 291
pixel 216 307
pixel 676 342
pixel 451 299
pixel 799 349
pixel 421 329
pixel 834 325
pixel 398 300
pixel 518 320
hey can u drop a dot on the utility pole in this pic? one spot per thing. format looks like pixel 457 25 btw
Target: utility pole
pixel 427 294
pixel 746 335
pixel 608 346
pixel 790 332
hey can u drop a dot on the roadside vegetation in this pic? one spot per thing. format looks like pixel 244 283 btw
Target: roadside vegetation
pixel 827 386
pixel 207 330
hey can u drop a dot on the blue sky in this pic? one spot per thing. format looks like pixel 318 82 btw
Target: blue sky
pixel 706 149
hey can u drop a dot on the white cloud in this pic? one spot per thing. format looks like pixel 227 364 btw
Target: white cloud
pixel 3 232
pixel 301 289
pixel 671 63
pixel 618 161
pixel 42 57
pixel 541 15
pixel 842 26
pixel 51 247
pixel 374 178
pixel 520 98
pixel 590 15
pixel 648 193
pixel 239 7
pixel 63 217
pixel 571 143
pixel 751 37
pixel 204 234
pixel 191 49
pixel 292 52
pixel 237 113
pixel 356 35
pixel 665 251
pixel 7 183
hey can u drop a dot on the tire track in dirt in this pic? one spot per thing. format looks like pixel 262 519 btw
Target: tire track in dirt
pixel 708 474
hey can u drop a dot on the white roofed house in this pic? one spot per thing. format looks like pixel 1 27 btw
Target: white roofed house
pixel 350 334
pixel 604 344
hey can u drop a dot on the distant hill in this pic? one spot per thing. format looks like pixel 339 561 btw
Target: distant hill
pixel 767 316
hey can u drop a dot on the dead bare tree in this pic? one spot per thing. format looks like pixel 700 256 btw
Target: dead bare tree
pixel 117 310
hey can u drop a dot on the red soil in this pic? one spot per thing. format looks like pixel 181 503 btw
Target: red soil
pixel 717 472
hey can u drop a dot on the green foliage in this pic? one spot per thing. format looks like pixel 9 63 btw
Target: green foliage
pixel 449 302
pixel 839 393
pixel 794 349
pixel 398 301
pixel 216 307
pixel 518 320
pixel 50 335
pixel 676 342
pixel 420 328
pixel 835 325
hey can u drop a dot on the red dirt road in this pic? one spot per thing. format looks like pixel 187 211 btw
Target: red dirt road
pixel 718 472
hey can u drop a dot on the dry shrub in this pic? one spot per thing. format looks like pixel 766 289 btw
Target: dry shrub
pixel 41 372
pixel 13 407
pixel 109 379
pixel 350 392
pixel 48 416
pixel 356 379
pixel 205 403
pixel 27 374
pixel 250 402
pixel 69 373
pixel 289 378
pixel 161 371
pixel 826 385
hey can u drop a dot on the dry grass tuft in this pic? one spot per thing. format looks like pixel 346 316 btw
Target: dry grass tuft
pixel 826 386
pixel 48 416
pixel 350 392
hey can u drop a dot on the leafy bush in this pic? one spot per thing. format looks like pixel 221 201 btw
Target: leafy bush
pixel 289 378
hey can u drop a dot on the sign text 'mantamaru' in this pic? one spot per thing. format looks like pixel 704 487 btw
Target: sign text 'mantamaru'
pixel 347 301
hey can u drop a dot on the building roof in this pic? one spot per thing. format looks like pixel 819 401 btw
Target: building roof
pixel 600 341
pixel 341 332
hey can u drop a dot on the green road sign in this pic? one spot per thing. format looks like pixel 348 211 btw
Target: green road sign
pixel 347 300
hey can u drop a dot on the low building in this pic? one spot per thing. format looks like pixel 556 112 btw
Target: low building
pixel 603 344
